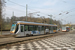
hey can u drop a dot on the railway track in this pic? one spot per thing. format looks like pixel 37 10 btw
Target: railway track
pixel 16 41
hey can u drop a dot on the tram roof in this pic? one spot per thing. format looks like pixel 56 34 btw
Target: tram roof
pixel 25 22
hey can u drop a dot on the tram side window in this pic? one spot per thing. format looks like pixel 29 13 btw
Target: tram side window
pixel 30 28
pixel 35 28
pixel 50 27
pixel 39 28
pixel 56 28
pixel 26 27
pixel 42 28
pixel 22 29
pixel 53 28
pixel 47 27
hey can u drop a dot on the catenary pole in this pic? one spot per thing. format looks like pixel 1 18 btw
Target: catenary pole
pixel 26 12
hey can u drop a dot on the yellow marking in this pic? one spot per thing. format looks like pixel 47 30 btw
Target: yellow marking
pixel 54 30
pixel 63 30
pixel 11 31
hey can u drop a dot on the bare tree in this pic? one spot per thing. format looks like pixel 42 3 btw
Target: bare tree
pixel 1 13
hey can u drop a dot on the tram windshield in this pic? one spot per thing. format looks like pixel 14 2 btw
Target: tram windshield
pixel 13 27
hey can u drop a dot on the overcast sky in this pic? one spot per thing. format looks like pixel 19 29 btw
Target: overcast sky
pixel 45 7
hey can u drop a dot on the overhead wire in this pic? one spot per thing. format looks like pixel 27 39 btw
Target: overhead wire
pixel 17 4
pixel 40 12
pixel 15 9
pixel 32 9
pixel 24 6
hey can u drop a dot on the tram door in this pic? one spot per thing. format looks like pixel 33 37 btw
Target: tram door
pixel 39 29
pixel 22 30
pixel 51 29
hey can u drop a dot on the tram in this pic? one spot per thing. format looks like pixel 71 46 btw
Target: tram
pixel 23 28
pixel 65 29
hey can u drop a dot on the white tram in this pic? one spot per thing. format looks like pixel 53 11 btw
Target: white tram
pixel 65 29
pixel 23 28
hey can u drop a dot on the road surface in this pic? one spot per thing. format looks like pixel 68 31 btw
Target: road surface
pixel 61 42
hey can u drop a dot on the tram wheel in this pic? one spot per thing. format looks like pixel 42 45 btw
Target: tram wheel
pixel 27 35
pixel 31 34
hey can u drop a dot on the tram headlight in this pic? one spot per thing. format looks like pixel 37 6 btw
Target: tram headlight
pixel 12 31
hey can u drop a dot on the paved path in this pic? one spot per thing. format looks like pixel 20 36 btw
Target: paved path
pixel 5 32
pixel 62 42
